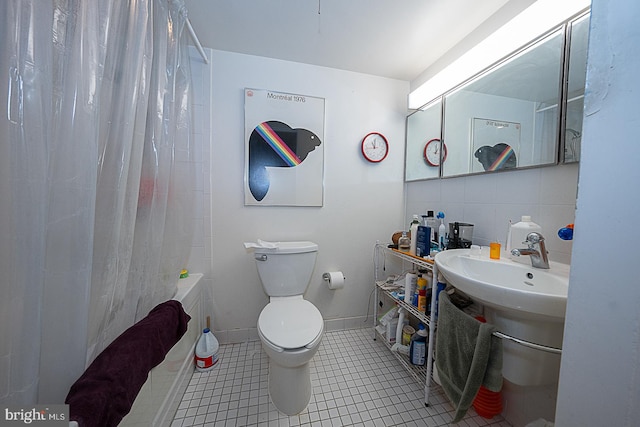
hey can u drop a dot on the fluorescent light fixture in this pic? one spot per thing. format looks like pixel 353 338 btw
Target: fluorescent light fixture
pixel 540 17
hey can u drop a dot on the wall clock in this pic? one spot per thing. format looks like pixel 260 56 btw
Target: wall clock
pixel 375 147
pixel 432 152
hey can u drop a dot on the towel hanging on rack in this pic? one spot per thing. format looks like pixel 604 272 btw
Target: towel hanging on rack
pixel 467 356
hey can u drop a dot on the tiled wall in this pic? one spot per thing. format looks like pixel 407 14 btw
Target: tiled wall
pixel 200 258
pixel 489 201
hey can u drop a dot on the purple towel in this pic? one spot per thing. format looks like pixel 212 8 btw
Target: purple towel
pixel 105 392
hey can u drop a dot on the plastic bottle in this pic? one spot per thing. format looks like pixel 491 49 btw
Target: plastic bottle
pixel 413 229
pixel 518 234
pixel 441 232
pixel 440 286
pixel 206 351
pixel 432 222
pixel 418 346
pixel 410 283
pixel 422 300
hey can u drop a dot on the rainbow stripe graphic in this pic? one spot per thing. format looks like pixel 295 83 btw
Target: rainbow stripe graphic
pixel 499 162
pixel 278 145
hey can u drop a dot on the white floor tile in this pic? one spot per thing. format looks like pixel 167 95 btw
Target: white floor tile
pixel 356 381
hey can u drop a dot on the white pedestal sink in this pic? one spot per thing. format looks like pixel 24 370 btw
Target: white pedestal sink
pixel 521 301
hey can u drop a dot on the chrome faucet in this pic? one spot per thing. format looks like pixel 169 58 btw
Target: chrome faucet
pixel 538 257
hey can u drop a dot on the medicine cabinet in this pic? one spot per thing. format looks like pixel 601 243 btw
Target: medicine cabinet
pixel 423 142
pixel 574 104
pixel 525 111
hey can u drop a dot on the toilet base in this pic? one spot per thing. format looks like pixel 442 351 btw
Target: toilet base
pixel 289 388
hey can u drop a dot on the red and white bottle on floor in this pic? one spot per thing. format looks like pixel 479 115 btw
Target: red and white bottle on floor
pixel 206 351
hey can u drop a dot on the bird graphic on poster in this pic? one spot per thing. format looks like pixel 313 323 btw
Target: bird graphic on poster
pixel 276 144
pixel 500 156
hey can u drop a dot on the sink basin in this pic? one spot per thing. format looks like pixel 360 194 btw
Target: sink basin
pixel 506 285
pixel 522 302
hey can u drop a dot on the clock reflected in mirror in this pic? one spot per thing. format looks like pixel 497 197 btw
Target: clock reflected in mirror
pixel 435 152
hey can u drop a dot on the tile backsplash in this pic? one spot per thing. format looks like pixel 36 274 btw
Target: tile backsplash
pixel 490 200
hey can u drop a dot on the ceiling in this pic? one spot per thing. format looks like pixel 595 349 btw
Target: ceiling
pixel 395 39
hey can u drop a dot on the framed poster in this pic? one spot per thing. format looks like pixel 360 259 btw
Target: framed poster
pixel 496 145
pixel 284 150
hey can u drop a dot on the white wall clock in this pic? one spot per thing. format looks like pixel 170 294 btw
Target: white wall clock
pixel 375 147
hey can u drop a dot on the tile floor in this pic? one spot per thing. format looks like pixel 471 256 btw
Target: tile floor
pixel 356 382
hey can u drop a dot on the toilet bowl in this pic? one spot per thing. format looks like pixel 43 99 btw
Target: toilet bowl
pixel 289 327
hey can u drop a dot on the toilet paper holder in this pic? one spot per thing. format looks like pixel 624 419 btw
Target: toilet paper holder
pixel 334 279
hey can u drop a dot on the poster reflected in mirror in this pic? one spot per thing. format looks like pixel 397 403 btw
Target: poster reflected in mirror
pixel 496 145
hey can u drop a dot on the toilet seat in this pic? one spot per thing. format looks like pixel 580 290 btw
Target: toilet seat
pixel 290 323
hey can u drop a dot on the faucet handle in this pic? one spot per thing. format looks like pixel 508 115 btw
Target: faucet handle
pixel 534 237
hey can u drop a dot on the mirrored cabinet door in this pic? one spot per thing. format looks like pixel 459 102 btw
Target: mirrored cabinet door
pixel 508 116
pixel 423 147
pixel 578 36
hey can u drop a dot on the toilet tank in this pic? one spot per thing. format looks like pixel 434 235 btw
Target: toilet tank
pixel 286 270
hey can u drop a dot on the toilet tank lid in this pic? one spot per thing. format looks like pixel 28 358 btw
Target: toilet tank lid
pixel 289 248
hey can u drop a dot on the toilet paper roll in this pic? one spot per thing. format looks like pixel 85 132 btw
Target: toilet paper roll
pixel 335 279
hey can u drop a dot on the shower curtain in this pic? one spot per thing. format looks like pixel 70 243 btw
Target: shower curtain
pixel 95 180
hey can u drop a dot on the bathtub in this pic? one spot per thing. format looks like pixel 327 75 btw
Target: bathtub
pixel 157 401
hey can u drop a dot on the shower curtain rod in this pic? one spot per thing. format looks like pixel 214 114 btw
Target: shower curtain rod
pixel 197 42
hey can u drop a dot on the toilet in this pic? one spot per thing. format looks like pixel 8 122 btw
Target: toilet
pixel 289 327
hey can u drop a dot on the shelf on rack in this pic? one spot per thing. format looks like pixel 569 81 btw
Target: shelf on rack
pixel 419 373
pixel 423 317
pixel 423 262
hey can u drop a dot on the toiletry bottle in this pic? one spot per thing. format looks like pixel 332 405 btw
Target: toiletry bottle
pixel 404 243
pixel 418 346
pixel 422 300
pixel 441 285
pixel 441 232
pixel 518 234
pixel 413 229
pixel 410 284
pixel 432 222
pixel 423 241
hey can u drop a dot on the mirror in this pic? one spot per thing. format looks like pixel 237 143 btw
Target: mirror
pixel 579 37
pixel 423 143
pixel 508 116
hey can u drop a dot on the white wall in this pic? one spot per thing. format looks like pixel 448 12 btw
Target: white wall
pixel 363 202
pixel 490 200
pixel 600 372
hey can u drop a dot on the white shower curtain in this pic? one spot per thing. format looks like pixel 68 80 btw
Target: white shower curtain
pixel 95 180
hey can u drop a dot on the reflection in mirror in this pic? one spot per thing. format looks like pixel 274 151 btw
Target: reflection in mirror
pixel 575 88
pixel 508 116
pixel 422 153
